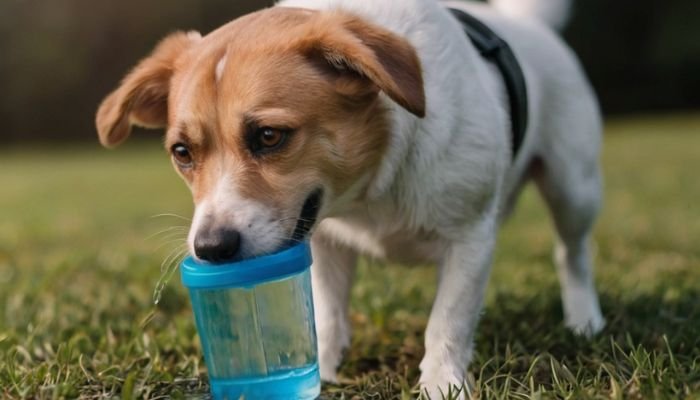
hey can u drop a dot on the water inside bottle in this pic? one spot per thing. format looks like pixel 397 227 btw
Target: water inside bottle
pixel 297 384
pixel 265 331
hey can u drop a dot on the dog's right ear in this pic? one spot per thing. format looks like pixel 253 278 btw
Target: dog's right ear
pixel 374 56
pixel 142 97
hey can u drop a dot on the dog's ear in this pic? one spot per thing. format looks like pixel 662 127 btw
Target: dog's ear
pixel 389 62
pixel 142 97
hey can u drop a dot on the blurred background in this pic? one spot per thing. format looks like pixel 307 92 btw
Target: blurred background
pixel 59 58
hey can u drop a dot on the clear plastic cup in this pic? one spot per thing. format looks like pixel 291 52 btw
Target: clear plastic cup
pixel 255 320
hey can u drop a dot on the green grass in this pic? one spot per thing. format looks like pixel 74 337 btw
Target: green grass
pixel 78 269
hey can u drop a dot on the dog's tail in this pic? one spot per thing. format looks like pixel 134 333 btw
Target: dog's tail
pixel 554 13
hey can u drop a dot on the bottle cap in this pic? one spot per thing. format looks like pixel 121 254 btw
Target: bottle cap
pixel 290 261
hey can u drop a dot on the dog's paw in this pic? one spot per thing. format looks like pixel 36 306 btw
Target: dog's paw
pixel 582 313
pixel 331 346
pixel 328 362
pixel 439 387
pixel 586 324
pixel 328 374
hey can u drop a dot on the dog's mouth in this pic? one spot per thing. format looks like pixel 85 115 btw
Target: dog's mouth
pixel 308 215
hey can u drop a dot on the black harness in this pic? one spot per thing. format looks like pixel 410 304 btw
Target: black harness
pixel 496 50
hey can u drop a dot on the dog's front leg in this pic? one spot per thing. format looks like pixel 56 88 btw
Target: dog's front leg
pixel 454 316
pixel 331 278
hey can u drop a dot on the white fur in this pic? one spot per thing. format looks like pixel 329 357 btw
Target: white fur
pixel 442 185
pixel 552 12
pixel 194 35
pixel 254 221
pixel 445 182
pixel 219 71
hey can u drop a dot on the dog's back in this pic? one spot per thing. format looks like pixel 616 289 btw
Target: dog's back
pixel 563 115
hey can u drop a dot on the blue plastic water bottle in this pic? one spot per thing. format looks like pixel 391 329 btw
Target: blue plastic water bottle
pixel 255 319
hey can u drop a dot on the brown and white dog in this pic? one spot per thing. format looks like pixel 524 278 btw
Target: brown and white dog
pixel 376 128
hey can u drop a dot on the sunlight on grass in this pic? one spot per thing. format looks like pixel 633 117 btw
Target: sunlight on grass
pixel 80 253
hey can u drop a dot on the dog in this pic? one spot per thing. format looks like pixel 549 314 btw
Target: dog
pixel 375 128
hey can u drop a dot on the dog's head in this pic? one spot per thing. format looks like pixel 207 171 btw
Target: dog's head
pixel 270 120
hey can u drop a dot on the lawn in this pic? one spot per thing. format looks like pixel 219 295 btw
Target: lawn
pixel 84 232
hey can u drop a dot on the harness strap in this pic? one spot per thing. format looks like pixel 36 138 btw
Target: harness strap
pixel 496 50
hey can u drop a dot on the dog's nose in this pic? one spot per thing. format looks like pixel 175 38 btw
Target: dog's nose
pixel 217 245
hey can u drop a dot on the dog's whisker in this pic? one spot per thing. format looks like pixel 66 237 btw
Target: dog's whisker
pixel 167 274
pixel 284 219
pixel 171 215
pixel 179 247
pixel 178 240
pixel 166 230
pixel 179 232
pixel 174 235
pixel 295 218
pixel 173 254
pixel 174 263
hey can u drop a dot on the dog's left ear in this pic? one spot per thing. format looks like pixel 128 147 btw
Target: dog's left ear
pixel 387 61
pixel 142 97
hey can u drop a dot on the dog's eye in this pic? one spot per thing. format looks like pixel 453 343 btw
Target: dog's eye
pixel 182 155
pixel 267 139
pixel 270 138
